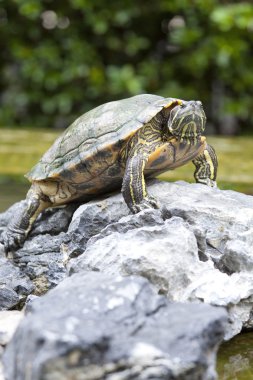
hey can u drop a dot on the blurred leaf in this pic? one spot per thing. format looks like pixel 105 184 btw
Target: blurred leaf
pixel 92 52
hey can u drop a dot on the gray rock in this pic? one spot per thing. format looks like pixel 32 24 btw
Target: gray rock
pixel 54 221
pixel 90 219
pixel 199 248
pixel 94 326
pixel 161 253
pixel 9 321
pixel 40 258
pixel 220 215
pixel 5 217
pixel 216 216
pixel 1 368
pixel 238 253
pixel 149 217
pixel 29 302
pixel 14 285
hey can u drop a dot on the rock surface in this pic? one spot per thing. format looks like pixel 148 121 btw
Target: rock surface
pixel 94 326
pixel 40 259
pixel 9 321
pixel 197 247
pixel 14 285
pixel 1 366
pixel 89 220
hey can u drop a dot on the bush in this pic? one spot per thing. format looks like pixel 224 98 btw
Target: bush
pixel 60 59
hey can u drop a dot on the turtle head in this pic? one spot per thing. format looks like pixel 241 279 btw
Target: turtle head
pixel 187 121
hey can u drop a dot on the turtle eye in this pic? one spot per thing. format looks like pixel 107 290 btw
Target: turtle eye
pixel 183 105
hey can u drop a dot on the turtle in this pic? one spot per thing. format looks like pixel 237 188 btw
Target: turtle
pixel 116 145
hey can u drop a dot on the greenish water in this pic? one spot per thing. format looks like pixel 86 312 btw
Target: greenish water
pixel 235 358
pixel 21 149
pixel 10 193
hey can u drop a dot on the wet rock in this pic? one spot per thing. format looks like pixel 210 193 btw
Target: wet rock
pixel 114 328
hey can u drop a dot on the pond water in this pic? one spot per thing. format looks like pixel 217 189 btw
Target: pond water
pixel 235 358
pixel 21 149
pixel 11 193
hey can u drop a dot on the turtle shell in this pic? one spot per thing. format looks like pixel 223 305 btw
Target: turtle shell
pixel 92 143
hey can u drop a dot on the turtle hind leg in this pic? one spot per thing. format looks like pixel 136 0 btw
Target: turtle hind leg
pixel 17 230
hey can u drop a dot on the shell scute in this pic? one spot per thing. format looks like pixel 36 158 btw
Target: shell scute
pixel 92 142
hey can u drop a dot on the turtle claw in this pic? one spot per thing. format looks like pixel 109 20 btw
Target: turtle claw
pixel 11 240
pixel 146 203
pixel 208 182
pixel 212 183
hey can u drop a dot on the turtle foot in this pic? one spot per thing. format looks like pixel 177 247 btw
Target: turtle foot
pixel 212 183
pixel 146 203
pixel 11 240
pixel 208 182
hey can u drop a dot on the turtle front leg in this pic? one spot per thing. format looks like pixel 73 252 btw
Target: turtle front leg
pixel 206 167
pixel 134 187
pixel 17 230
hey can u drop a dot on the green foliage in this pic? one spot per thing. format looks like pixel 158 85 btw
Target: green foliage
pixel 60 59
